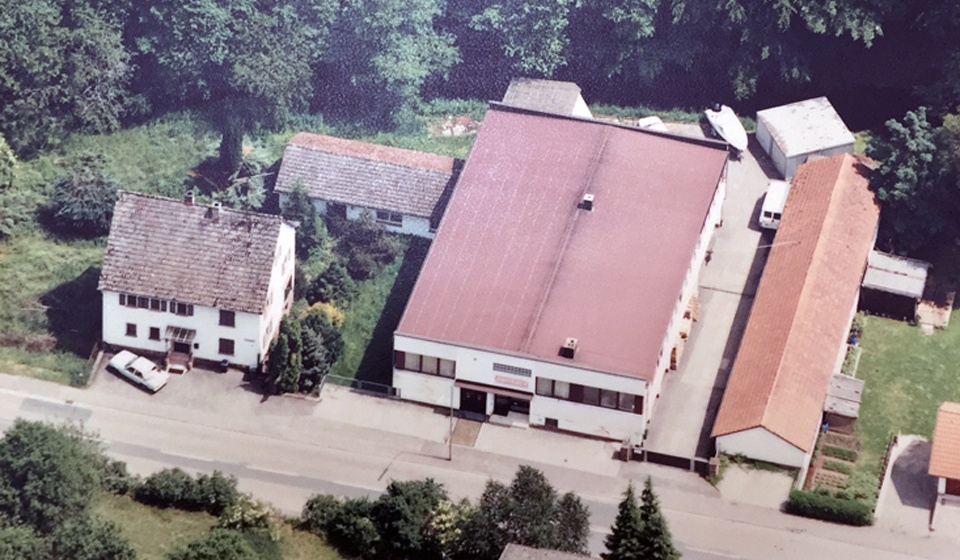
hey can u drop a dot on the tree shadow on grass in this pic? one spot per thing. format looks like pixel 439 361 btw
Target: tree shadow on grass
pixel 377 362
pixel 74 312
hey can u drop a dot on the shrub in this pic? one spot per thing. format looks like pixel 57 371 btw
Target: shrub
pixel 317 513
pixel 365 245
pixel 838 466
pixel 333 285
pixel 80 375
pixel 218 544
pixel 823 505
pixel 115 478
pixel 352 530
pixel 840 453
pixel 247 513
pixel 177 489
pixel 83 199
pixel 329 310
pixel 17 210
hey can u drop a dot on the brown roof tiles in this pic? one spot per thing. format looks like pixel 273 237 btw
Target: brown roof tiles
pixel 945 455
pixel 165 248
pixel 366 175
pixel 801 315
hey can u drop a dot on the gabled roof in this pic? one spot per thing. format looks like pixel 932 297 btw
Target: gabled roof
pixel 896 275
pixel 519 552
pixel 945 455
pixel 168 249
pixel 366 175
pixel 801 314
pixel 549 96
pixel 517 267
pixel 806 126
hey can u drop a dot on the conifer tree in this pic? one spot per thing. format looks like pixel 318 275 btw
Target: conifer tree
pixel 655 540
pixel 624 540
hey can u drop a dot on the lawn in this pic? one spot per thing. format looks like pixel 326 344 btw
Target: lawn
pixel 907 376
pixel 155 532
pixel 374 314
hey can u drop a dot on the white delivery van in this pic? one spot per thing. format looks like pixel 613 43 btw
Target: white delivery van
pixel 773 203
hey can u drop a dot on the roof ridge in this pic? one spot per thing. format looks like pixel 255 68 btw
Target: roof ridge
pixel 567 234
pixel 223 208
pixel 375 147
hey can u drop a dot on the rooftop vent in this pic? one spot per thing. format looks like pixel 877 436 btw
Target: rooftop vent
pixel 586 203
pixel 569 348
pixel 188 198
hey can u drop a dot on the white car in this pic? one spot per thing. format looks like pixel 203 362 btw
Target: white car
pixel 139 370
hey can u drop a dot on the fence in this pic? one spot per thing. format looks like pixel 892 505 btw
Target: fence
pixel 698 465
pixel 361 386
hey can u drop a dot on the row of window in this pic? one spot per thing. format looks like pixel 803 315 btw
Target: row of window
pixel 425 364
pixel 226 345
pixel 589 395
pixel 392 218
pixel 227 318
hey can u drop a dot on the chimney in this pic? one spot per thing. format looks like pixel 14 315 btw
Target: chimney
pixel 586 203
pixel 188 198
pixel 569 348
pixel 215 211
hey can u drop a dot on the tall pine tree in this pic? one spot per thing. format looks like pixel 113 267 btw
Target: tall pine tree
pixel 655 540
pixel 625 539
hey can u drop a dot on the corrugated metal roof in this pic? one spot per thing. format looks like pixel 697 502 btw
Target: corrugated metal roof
pixel 844 395
pixel 806 126
pixel 517 267
pixel 366 175
pixel 165 248
pixel 945 454
pixel 896 275
pixel 801 314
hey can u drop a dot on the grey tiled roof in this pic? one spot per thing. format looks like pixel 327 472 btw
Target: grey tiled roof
pixel 166 248
pixel 366 175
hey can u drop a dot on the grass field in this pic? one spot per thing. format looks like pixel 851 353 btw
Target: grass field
pixel 375 313
pixel 154 532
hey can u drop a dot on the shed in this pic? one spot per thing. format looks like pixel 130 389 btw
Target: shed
pixel 549 96
pixel 792 133
pixel 893 285
pixel 842 405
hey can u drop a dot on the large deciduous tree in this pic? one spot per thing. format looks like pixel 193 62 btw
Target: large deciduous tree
pixel 531 33
pixel 63 67
pixel 248 63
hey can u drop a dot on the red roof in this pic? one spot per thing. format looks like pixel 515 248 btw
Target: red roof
pixel 945 454
pixel 518 268
pixel 801 314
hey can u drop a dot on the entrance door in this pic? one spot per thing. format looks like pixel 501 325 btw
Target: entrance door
pixel 473 401
pixel 181 347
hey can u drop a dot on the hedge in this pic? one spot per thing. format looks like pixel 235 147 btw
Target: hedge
pixel 826 506
pixel 840 453
pixel 177 489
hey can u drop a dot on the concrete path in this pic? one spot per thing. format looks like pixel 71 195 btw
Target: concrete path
pixel 690 396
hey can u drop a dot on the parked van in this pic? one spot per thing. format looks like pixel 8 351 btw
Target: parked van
pixel 773 203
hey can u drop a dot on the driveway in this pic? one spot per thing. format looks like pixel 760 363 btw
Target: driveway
pixel 690 396
pixel 908 493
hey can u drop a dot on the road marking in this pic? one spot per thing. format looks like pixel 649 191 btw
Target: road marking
pixel 711 552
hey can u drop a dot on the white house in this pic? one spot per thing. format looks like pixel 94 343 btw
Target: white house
pixel 192 281
pixel 791 134
pixel 549 96
pixel 404 190
pixel 796 336
pixel 561 282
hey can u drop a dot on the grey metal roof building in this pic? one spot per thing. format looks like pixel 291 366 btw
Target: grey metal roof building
pixel 793 133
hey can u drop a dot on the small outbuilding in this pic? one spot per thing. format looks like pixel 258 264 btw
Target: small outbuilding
pixel 792 134
pixel 945 455
pixel 518 552
pixel 893 285
pixel 549 96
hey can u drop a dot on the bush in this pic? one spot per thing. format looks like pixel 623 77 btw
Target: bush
pixel 365 245
pixel 83 199
pixel 352 530
pixel 333 285
pixel 317 513
pixel 823 505
pixel 177 489
pixel 838 466
pixel 115 478
pixel 247 513
pixel 840 453
pixel 218 544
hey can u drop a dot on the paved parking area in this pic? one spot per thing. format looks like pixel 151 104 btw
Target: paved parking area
pixel 690 396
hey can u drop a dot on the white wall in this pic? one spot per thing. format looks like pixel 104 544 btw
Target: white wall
pixel 580 108
pixel 282 274
pixel 205 320
pixel 477 366
pixel 412 225
pixel 762 445
pixel 793 163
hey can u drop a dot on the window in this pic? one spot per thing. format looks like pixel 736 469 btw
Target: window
pixel 544 387
pixel 154 333
pixel 627 402
pixel 123 299
pixel 131 330
pixel 143 302
pixel 447 368
pixel 591 395
pixel 776 215
pixel 430 365
pixel 227 318
pixel 767 214
pixel 154 304
pixel 608 399
pixel 561 390
pixel 226 346
pixel 182 308
pixel 411 361
pixel 393 218
pixel 551 423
